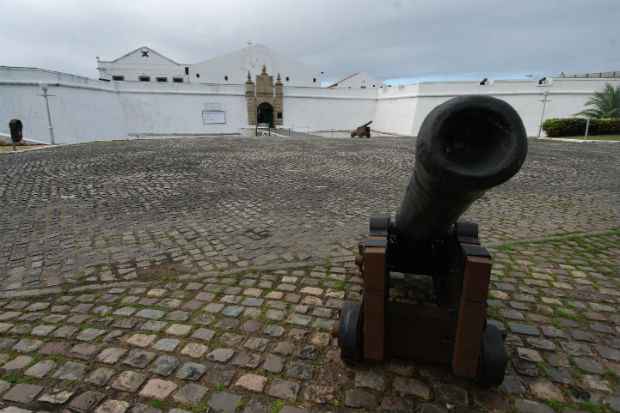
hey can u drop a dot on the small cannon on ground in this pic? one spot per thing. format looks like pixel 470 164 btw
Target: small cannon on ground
pixel 362 131
pixel 16 128
pixel 466 146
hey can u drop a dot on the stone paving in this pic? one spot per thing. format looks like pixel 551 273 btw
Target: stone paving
pixel 206 275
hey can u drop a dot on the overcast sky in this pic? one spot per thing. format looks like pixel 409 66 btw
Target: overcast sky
pixel 419 39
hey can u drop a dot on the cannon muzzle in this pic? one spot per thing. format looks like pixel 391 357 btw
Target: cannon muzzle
pixel 466 146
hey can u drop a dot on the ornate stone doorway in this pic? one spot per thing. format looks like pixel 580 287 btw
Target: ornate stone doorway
pixel 264 114
pixel 264 99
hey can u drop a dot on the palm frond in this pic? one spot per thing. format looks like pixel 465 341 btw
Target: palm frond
pixel 604 104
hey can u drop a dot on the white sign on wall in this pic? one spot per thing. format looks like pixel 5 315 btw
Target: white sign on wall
pixel 213 114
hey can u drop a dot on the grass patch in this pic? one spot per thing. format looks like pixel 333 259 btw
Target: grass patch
pixel 15 378
pixel 339 285
pixel 276 406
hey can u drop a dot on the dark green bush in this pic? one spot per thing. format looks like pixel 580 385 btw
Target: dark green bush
pixel 557 127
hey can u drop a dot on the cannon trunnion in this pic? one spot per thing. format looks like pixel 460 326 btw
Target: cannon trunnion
pixel 466 146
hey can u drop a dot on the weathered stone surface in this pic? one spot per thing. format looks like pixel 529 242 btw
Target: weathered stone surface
pixel 370 380
pixel 252 382
pixel 412 387
pixel 529 406
pixel 223 402
pixel 360 398
pixel 113 406
pixel 141 340
pixel 18 363
pixel 283 389
pixel 191 371
pixel 56 396
pixel 41 369
pixel 588 365
pixel 146 273
pixel 451 394
pixel 71 371
pixel 221 355
pixel 190 394
pixel 158 389
pixel 4 386
pixel 166 344
pixel 22 393
pixel 128 381
pixel 203 334
pixel 273 363
pixel 100 376
pixel 195 350
pixel 545 390
pixel 164 365
pixel 89 334
pixel 26 345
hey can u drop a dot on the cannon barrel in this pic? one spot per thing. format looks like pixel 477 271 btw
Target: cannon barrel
pixel 465 146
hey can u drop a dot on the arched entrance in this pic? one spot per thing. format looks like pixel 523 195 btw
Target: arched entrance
pixel 264 114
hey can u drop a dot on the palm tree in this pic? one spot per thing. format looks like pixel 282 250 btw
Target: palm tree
pixel 605 104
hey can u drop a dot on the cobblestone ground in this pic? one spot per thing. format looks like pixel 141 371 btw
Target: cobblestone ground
pixel 197 274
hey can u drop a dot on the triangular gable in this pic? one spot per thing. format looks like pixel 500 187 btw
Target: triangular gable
pixel 139 51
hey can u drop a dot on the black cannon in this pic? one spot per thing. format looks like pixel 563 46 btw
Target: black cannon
pixel 362 131
pixel 466 146
pixel 16 128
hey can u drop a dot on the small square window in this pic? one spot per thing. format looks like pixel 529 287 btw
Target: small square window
pixel 119 78
pixel 279 115
pixel 177 79
pixel 162 79
pixel 144 78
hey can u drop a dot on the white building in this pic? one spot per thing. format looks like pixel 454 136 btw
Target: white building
pixel 160 96
pixel 147 65
pixel 142 64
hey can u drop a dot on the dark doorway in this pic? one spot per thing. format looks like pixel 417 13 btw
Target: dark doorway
pixel 264 114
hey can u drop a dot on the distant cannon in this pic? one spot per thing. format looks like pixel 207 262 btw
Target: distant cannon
pixel 465 146
pixel 16 128
pixel 362 131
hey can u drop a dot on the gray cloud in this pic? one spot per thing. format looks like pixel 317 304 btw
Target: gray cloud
pixel 388 38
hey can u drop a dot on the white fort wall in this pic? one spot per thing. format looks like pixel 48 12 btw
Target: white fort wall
pixel 83 109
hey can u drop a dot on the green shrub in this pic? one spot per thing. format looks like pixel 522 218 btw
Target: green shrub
pixel 556 127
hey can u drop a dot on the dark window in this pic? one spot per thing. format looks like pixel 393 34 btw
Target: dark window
pixel 144 78
pixel 177 79
pixel 145 53
pixel 186 70
pixel 287 79
pixel 118 77
pixel 279 115
pixel 373 85
pixel 314 80
pixel 197 74
pixel 226 78
pixel 162 79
